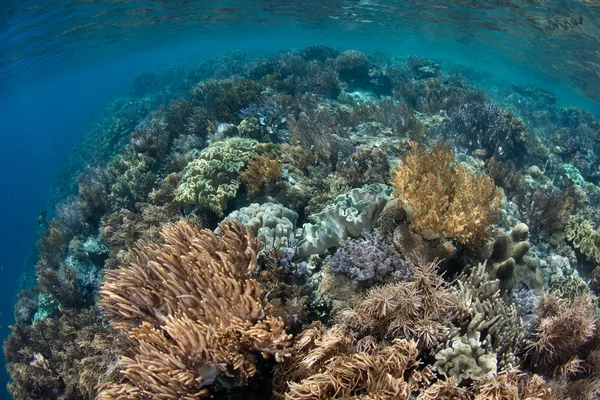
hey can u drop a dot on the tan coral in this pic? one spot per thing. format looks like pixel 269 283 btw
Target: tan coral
pixel 509 261
pixel 332 364
pixel 443 199
pixel 191 310
pixel 417 310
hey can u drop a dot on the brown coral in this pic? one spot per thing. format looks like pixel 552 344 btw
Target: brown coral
pixel 417 310
pixel 262 171
pixel 331 364
pixel 510 263
pixel 191 310
pixel 442 199
pixel 61 358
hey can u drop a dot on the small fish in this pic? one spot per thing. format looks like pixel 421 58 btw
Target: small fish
pixel 42 218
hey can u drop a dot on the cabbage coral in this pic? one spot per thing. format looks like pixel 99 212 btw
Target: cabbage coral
pixel 443 199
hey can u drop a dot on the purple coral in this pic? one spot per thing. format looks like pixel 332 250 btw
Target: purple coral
pixel 370 259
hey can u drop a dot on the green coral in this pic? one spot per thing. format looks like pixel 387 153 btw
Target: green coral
pixel 573 174
pixel 582 233
pixel 212 179
pixel 249 127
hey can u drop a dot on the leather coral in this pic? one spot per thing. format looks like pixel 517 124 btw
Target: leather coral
pixel 191 311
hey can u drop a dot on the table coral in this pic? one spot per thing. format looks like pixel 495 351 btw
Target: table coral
pixel 212 179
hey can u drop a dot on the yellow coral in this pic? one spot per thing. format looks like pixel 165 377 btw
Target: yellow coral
pixel 443 199
pixel 261 170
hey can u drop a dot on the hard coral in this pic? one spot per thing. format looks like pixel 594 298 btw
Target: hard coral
pixel 442 199
pixel 191 310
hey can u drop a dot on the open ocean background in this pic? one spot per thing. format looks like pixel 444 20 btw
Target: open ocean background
pixel 61 62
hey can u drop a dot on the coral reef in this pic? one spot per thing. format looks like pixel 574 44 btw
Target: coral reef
pixel 66 357
pixel 416 310
pixel 442 199
pixel 369 259
pixel 448 284
pixel 332 364
pixel 191 311
pixel 484 125
pixel 262 171
pixel 466 358
pixel 584 236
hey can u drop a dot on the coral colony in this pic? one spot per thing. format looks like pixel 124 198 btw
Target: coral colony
pixel 319 225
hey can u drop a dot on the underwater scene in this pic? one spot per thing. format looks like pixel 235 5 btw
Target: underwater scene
pixel 250 200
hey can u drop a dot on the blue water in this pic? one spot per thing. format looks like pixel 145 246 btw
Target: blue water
pixel 61 62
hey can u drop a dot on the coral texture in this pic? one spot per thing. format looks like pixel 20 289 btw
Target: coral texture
pixel 466 359
pixel 417 310
pixel 369 259
pixel 347 216
pixel 261 172
pixel 510 263
pixel 271 222
pixel 331 364
pixel 191 311
pixel 584 236
pixel 442 199
pixel 62 358
pixel 212 179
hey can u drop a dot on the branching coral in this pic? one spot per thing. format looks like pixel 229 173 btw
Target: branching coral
pixel 418 310
pixel 212 179
pixel 365 166
pixel 481 309
pixel 370 259
pixel 191 310
pixel 442 199
pixel 484 125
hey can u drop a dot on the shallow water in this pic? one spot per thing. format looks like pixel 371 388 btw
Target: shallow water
pixel 62 62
